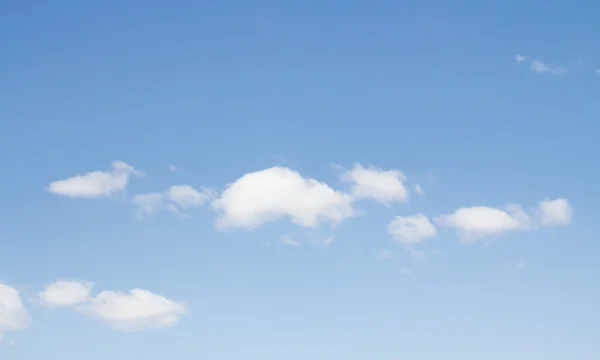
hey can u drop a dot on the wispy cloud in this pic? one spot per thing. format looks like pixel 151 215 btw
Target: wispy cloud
pixel 406 271
pixel 288 239
pixel 419 190
pixel 541 67
pixel 520 266
pixel 305 238
pixel 177 197
pixel 386 255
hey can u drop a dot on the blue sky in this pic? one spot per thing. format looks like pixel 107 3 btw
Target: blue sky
pixel 311 180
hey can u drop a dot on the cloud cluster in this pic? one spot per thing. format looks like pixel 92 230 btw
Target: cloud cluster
pixel 255 198
pixel 277 193
pixel 478 222
pixel 268 195
pixel 132 311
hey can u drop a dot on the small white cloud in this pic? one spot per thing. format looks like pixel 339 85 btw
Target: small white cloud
pixel 520 58
pixel 556 212
pixel 13 315
pixel 473 223
pixel 540 67
pixel 134 311
pixel 96 183
pixel 386 254
pixel 384 186
pixel 419 190
pixel 177 197
pixel 411 229
pixel 66 293
pixel 278 192
pixel 598 71
pixel 173 168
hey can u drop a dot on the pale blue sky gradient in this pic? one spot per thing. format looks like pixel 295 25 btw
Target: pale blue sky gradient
pixel 221 89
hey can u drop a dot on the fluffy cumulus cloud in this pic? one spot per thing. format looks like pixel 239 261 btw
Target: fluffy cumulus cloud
pixel 384 186
pixel 13 315
pixel 176 198
pixel 411 229
pixel 278 192
pixel 477 222
pixel 65 293
pixel 555 212
pixel 133 311
pixel 96 183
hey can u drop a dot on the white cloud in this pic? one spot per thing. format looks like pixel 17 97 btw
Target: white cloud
pixel 540 67
pixel 475 222
pixel 520 58
pixel 177 197
pixel 411 229
pixel 419 190
pixel 278 192
pixel 555 212
pixel 384 186
pixel 134 311
pixel 173 167
pixel 66 293
pixel 96 183
pixel 13 315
